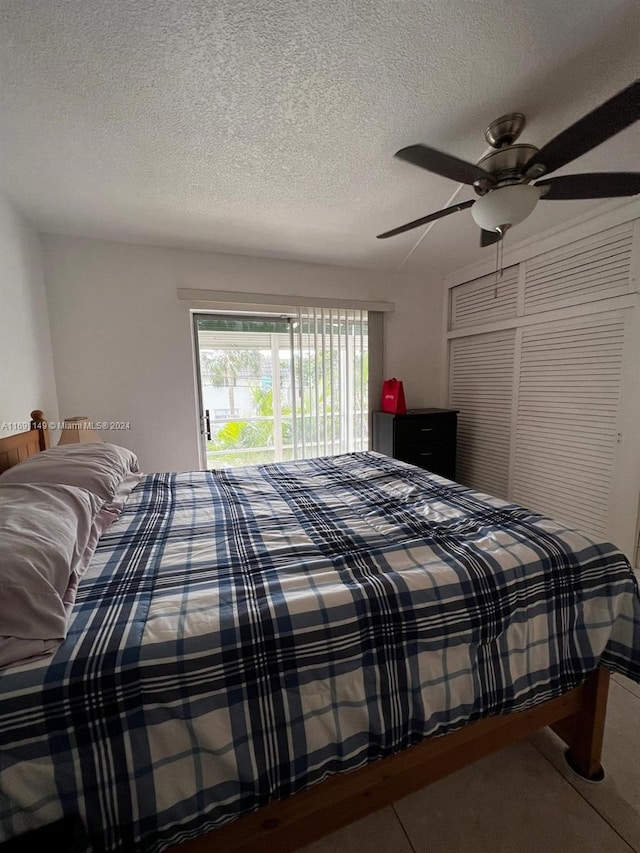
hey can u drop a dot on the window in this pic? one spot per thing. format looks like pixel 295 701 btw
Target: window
pixel 280 388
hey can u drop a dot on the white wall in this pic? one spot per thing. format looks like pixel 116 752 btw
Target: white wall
pixel 122 339
pixel 414 338
pixel 26 366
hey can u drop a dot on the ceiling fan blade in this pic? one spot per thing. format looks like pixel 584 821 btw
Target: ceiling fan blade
pixel 596 127
pixel 488 238
pixel 445 165
pixel 595 185
pixel 425 219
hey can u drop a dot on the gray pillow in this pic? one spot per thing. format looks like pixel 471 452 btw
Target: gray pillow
pixel 98 467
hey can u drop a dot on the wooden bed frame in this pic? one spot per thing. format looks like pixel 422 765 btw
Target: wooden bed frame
pixel 284 826
pixel 16 448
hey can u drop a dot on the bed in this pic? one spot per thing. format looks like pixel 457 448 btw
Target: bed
pixel 260 656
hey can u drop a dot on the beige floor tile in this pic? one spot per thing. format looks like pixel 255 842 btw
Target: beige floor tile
pixel 617 798
pixel 510 802
pixel 629 685
pixel 380 832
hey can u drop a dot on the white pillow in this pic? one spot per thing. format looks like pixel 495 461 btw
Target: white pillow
pixel 47 536
pixel 96 466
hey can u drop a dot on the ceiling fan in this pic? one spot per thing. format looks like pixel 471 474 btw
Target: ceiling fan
pixel 503 177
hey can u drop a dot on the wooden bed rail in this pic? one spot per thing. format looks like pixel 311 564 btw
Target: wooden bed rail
pixel 285 826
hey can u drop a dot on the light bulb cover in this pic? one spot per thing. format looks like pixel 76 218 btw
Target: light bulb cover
pixel 505 206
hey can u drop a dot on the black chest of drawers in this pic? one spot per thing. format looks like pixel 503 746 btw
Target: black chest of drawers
pixel 424 437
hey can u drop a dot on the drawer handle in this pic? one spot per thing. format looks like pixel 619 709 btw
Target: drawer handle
pixel 426 454
pixel 426 429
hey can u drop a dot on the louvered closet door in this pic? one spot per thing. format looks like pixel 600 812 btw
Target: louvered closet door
pixel 596 267
pixel 567 419
pixel 482 301
pixel 481 383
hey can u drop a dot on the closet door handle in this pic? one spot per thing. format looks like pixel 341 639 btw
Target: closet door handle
pixel 426 454
pixel 426 429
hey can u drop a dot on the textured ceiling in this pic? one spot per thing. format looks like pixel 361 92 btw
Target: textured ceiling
pixel 267 127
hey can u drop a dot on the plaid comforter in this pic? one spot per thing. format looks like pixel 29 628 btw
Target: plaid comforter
pixel 241 635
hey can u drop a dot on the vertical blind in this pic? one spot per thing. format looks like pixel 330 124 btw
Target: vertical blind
pixel 287 387
pixel 330 350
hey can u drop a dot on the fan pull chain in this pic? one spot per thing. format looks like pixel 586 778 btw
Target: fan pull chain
pixel 499 261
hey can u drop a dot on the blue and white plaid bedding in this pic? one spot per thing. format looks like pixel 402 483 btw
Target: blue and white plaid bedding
pixel 241 635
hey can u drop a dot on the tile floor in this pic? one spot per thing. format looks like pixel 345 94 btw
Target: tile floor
pixel 523 799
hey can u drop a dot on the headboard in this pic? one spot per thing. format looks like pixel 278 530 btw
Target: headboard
pixel 19 446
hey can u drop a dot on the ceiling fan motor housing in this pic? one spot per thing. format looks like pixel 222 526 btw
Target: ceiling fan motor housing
pixel 506 165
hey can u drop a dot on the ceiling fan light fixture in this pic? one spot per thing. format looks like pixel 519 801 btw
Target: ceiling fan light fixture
pixel 505 206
